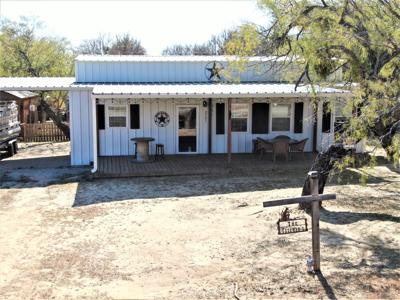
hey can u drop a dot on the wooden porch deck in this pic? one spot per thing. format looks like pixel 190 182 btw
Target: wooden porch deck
pixel 208 164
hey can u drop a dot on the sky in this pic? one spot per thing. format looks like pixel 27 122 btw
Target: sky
pixel 157 24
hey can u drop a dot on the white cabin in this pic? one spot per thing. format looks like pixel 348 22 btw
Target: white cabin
pixel 183 102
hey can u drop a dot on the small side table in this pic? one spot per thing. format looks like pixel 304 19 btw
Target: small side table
pixel 142 148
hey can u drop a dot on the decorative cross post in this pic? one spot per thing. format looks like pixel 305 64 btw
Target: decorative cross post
pixel 315 198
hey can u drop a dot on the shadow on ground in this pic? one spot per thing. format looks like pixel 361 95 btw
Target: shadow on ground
pixel 383 257
pixel 347 217
pixel 39 172
pixel 99 191
pixel 108 190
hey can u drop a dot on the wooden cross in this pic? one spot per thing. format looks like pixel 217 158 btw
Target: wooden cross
pixel 315 198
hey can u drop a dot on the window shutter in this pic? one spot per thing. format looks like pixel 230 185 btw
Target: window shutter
pixel 326 117
pixel 298 117
pixel 260 117
pixel 220 118
pixel 135 116
pixel 101 118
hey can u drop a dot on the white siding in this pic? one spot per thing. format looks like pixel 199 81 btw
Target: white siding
pixel 81 127
pixel 242 142
pixel 116 141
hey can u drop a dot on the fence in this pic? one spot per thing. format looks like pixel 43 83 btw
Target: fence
pixel 42 132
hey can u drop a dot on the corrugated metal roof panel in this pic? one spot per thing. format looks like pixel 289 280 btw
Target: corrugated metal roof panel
pixel 167 58
pixel 35 83
pixel 22 94
pixel 210 90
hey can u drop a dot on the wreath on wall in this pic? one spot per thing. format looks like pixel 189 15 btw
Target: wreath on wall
pixel 161 119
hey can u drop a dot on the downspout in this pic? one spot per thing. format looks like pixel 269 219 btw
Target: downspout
pixel 94 133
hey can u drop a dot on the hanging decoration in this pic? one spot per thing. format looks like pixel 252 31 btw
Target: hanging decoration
pixel 161 119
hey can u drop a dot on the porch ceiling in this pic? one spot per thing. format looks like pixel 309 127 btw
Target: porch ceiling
pixel 211 90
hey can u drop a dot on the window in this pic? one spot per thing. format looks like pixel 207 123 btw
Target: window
pixel 240 113
pixel 117 116
pixel 342 116
pixel 280 117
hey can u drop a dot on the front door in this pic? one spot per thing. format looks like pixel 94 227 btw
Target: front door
pixel 187 129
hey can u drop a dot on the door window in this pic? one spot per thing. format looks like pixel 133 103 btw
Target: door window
pixel 240 114
pixel 187 135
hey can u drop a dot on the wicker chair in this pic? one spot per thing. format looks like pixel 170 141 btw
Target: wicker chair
pixel 297 147
pixel 255 146
pixel 281 149
pixel 264 146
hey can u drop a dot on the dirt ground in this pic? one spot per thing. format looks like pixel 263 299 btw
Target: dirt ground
pixel 64 236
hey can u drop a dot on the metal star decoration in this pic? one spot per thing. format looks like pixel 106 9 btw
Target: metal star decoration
pixel 161 119
pixel 214 71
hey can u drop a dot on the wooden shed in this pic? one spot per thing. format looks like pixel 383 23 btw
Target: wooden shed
pixel 27 104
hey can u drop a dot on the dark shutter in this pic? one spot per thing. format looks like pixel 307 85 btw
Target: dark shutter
pixel 220 118
pixel 101 118
pixel 135 116
pixel 326 117
pixel 298 117
pixel 260 117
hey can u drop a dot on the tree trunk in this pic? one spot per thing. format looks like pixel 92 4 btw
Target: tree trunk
pixel 64 127
pixel 386 140
pixel 323 164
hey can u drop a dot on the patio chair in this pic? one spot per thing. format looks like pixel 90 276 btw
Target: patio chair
pixel 264 146
pixel 255 146
pixel 281 149
pixel 297 147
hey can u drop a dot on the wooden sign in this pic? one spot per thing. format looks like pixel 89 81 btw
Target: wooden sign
pixel 292 226
pixel 315 198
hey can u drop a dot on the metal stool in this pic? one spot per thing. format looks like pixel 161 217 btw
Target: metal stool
pixel 135 150
pixel 159 152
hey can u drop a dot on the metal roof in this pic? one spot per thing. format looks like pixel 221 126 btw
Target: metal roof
pixel 169 58
pixel 22 94
pixel 159 90
pixel 35 83
pixel 211 90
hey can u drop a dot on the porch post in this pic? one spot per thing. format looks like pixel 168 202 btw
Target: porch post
pixel 229 140
pixel 314 127
pixel 209 125
pixel 94 132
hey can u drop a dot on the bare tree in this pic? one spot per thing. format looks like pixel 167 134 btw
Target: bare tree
pixel 216 45
pixel 126 45
pixel 123 44
pixel 99 45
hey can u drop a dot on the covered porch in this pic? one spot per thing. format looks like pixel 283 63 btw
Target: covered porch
pixel 199 164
